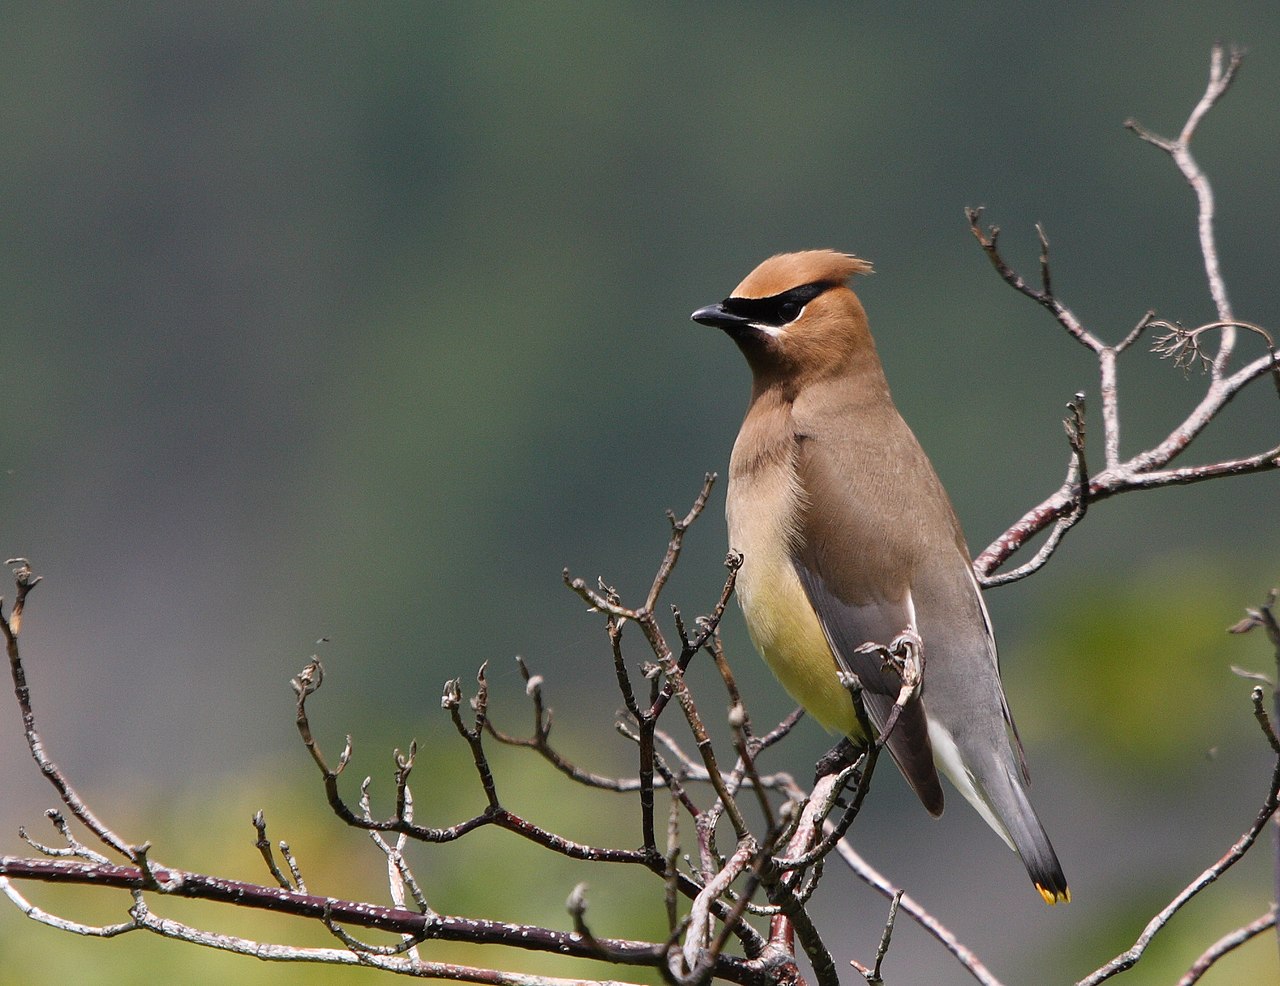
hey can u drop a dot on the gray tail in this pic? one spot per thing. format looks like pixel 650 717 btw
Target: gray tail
pixel 1008 798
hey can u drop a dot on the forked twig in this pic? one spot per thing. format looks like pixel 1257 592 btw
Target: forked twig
pixel 1149 468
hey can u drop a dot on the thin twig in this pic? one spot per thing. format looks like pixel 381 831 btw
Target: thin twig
pixel 1130 956
pixel 1223 67
pixel 872 975
pixel 1228 943
pixel 11 628
pixel 1077 477
pixel 678 529
pixel 264 847
pixel 697 935
pixel 306 683
pixel 873 878
pixel 988 239
pixel 1150 468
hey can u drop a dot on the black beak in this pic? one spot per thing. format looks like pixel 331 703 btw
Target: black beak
pixel 719 317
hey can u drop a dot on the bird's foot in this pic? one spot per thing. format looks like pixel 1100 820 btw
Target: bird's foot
pixel 905 655
pixel 840 756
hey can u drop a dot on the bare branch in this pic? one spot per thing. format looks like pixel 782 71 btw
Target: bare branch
pixel 988 238
pixel 678 528
pixel 873 878
pixel 10 628
pixel 1149 468
pixel 698 933
pixel 494 814
pixel 1077 477
pixel 41 916
pixel 263 845
pixel 1221 75
pixel 1264 720
pixel 872 975
pixel 358 914
pixel 1228 943
pixel 1131 955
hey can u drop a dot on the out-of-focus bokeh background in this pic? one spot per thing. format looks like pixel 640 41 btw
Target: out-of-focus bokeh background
pixel 362 321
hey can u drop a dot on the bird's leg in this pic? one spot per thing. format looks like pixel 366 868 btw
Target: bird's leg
pixel 905 655
pixel 847 752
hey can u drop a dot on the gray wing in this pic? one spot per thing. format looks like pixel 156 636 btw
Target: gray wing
pixel 849 626
pixel 855 567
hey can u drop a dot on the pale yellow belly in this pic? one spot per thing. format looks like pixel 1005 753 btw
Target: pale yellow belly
pixel 782 623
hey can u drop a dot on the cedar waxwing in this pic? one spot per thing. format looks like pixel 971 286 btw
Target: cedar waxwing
pixel 848 538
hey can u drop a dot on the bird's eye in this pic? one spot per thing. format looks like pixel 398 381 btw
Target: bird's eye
pixel 787 312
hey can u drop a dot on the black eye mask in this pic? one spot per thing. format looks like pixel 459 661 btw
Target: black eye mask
pixel 778 309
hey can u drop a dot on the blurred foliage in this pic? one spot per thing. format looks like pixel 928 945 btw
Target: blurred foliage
pixel 1139 666
pixel 362 320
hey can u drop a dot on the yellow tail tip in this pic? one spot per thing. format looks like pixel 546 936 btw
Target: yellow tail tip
pixel 1052 897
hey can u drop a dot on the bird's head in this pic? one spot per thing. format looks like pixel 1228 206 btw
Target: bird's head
pixel 794 316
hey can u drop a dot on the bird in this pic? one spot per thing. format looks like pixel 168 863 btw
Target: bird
pixel 848 543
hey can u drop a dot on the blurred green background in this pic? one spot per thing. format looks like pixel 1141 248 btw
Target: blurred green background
pixel 361 321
